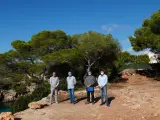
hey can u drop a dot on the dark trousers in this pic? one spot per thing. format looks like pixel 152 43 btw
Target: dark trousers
pixel 88 96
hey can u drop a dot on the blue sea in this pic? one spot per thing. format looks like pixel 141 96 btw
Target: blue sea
pixel 5 107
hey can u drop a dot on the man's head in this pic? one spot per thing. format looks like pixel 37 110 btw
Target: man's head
pixel 70 73
pixel 89 73
pixel 54 74
pixel 102 72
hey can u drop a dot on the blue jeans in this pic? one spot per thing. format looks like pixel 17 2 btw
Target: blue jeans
pixel 103 93
pixel 71 94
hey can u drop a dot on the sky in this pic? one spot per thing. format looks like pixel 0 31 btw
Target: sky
pixel 20 19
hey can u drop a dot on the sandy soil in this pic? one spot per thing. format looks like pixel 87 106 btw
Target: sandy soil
pixel 138 99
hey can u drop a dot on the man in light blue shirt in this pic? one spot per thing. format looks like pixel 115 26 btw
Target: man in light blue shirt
pixel 71 82
pixel 102 82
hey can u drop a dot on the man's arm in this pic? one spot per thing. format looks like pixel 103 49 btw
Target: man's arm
pixel 98 80
pixel 50 81
pixel 106 80
pixel 74 81
pixel 94 79
pixel 67 80
pixel 57 82
pixel 85 82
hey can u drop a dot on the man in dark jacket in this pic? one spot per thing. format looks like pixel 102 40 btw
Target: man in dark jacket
pixel 89 82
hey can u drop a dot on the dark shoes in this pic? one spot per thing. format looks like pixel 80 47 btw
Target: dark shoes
pixel 101 104
pixel 74 103
pixel 90 102
pixel 87 102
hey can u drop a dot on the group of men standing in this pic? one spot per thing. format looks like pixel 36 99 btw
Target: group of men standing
pixel 89 82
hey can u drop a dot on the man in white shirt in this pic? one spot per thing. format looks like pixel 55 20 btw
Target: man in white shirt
pixel 54 82
pixel 71 82
pixel 102 82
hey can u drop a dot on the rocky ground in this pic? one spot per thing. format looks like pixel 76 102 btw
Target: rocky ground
pixel 137 99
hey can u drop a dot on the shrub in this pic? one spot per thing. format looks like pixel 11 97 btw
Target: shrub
pixel 5 83
pixel 63 84
pixel 41 92
pixel 19 88
pixel 22 102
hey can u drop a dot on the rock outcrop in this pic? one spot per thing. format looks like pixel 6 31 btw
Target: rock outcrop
pixel 39 104
pixel 129 71
pixel 34 105
pixel 8 96
pixel 6 116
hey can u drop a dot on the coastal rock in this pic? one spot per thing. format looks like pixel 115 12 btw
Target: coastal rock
pixel 9 95
pixel 43 102
pixel 6 116
pixel 34 105
pixel 39 104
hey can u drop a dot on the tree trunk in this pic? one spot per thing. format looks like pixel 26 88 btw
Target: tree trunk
pixel 89 68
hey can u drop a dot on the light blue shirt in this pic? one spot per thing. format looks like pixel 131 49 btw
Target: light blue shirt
pixel 71 81
pixel 102 80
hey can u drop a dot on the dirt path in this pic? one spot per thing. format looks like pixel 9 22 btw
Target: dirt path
pixel 139 99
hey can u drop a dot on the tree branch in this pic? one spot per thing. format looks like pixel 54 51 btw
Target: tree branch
pixel 96 60
pixel 31 59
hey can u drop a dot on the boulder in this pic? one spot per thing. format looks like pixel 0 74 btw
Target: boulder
pixel 43 102
pixel 96 88
pixel 129 71
pixel 61 92
pixel 34 105
pixel 6 116
pixel 124 76
pixel 39 104
pixel 80 93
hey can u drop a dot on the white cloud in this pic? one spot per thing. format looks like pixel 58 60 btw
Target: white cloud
pixel 107 28
pixel 110 27
pixel 141 52
pixel 131 51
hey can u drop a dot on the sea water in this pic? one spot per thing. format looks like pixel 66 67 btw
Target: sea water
pixel 5 107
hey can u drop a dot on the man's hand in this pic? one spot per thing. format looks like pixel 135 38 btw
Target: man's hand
pixel 101 86
pixel 98 86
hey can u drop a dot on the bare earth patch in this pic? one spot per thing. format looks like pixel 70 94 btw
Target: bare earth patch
pixel 138 99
